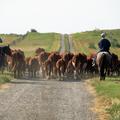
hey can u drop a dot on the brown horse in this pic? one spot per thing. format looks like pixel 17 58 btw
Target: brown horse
pixel 43 56
pixel 103 62
pixel 78 61
pixel 18 63
pixel 33 67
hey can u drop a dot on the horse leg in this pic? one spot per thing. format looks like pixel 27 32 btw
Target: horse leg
pixel 75 74
pixel 15 74
pixel 55 71
pixel 28 73
pixel 34 73
pixel 63 71
pixel 43 72
pixel 18 74
pixel 2 69
pixel 49 72
pixel 59 73
pixel 102 74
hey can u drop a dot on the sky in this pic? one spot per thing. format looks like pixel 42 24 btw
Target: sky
pixel 63 16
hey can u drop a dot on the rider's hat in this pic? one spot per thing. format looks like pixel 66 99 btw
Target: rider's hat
pixel 103 34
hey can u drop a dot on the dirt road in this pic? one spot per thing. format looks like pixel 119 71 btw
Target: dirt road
pixel 39 99
pixel 62 45
pixel 45 100
pixel 71 48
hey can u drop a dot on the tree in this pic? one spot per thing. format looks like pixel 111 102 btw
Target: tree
pixel 33 30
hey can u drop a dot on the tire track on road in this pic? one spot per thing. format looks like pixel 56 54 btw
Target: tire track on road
pixel 62 44
pixel 70 44
pixel 71 47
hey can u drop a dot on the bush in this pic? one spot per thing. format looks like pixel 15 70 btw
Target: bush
pixel 118 45
pixel 33 30
pixel 115 43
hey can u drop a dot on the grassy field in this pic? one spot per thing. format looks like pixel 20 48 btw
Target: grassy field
pixel 110 90
pixel 87 41
pixel 9 38
pixel 34 40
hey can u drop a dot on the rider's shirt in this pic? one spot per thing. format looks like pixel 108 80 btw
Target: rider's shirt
pixel 104 44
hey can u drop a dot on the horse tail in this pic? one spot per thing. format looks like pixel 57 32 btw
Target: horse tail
pixel 102 65
pixel 103 58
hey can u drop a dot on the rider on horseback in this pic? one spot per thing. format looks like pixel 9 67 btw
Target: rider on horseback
pixel 104 46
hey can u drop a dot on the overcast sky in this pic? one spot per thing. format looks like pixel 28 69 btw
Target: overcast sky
pixel 65 16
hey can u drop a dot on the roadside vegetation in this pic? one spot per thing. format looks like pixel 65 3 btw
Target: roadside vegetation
pixel 109 91
pixel 6 77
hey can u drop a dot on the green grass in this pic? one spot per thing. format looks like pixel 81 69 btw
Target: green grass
pixel 110 89
pixel 9 38
pixel 87 42
pixel 33 40
pixel 114 111
pixel 5 78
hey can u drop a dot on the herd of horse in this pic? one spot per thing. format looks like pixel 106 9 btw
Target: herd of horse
pixel 57 65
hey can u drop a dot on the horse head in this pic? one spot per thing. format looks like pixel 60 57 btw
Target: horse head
pixel 7 50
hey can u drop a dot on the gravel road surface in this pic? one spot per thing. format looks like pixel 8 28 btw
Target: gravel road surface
pixel 46 100
pixel 71 44
pixel 62 45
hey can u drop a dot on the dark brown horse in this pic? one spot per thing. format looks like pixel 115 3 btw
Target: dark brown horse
pixel 4 50
pixel 103 62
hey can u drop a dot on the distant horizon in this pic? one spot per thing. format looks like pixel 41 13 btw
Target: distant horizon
pixel 60 32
